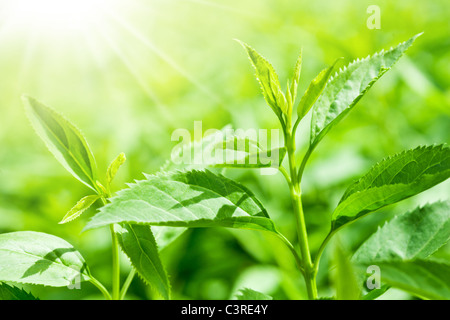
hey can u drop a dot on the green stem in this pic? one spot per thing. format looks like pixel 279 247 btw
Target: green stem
pixel 321 249
pixel 115 265
pixel 295 190
pixel 298 261
pixel 100 286
pixel 127 283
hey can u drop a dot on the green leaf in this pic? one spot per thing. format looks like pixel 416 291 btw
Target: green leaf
pixel 314 90
pixel 413 235
pixel 228 148
pixel 113 168
pixel 185 199
pixel 64 140
pixel 391 180
pixel 268 80
pixel 81 206
pixel 249 294
pixel 296 77
pixel 345 279
pixel 138 243
pixel 348 86
pixel 39 258
pixel 164 236
pixel 13 293
pixel 424 278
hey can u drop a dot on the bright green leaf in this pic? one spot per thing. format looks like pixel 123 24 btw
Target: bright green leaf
pixel 268 80
pixel 413 235
pixel 64 140
pixel 39 258
pixel 348 86
pixel 185 199
pixel 314 91
pixel 345 278
pixel 391 180
pixel 295 78
pixel 13 293
pixel 113 168
pixel 79 208
pixel 249 294
pixel 138 243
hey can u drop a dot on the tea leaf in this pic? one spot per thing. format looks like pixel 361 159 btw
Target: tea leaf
pixel 268 80
pixel 249 294
pixel 345 279
pixel 423 278
pixel 39 258
pixel 64 140
pixel 296 77
pixel 416 234
pixel 13 293
pixel 81 206
pixel 348 86
pixel 393 179
pixel 138 243
pixel 185 199
pixel 314 91
pixel 113 168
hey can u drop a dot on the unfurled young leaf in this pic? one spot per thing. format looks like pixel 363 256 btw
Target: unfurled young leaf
pixel 249 294
pixel 138 243
pixel 13 293
pixel 39 258
pixel 64 140
pixel 295 78
pixel 348 86
pixel 268 80
pixel 113 168
pixel 79 208
pixel 185 199
pixel 414 235
pixel 314 91
pixel 427 279
pixel 391 180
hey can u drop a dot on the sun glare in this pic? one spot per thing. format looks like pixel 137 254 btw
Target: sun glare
pixel 56 14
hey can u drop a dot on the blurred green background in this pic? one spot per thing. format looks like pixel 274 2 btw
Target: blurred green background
pixel 129 73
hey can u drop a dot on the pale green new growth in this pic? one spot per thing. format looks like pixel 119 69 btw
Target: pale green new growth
pixel 39 258
pixel 64 140
pixel 268 80
pixel 138 243
pixel 348 86
pixel 314 91
pixel 113 168
pixel 185 199
pixel 393 179
pixel 81 206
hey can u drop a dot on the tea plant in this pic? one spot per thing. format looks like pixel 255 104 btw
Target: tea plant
pixel 152 212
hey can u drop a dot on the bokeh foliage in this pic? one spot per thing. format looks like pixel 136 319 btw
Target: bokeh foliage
pixel 154 66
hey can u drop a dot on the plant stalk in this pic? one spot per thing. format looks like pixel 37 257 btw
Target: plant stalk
pixel 115 265
pixel 295 191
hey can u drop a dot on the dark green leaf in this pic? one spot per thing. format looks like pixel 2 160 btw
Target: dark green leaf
pixel 13 293
pixel 393 179
pixel 138 243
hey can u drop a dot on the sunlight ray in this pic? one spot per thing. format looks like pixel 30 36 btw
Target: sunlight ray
pixel 163 56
